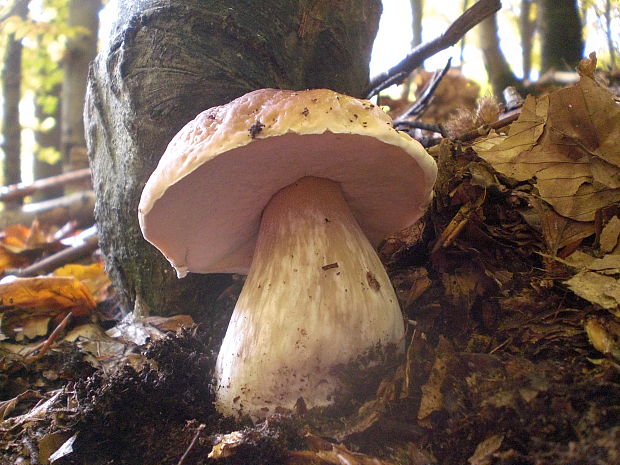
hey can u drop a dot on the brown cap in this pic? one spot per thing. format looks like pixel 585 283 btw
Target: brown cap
pixel 202 205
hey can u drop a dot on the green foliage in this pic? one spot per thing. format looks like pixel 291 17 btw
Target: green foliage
pixel 48 155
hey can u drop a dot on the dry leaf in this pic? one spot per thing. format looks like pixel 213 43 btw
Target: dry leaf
pixel 92 276
pixel 483 455
pixel 559 231
pixel 598 281
pixel 566 144
pixel 604 335
pixel 610 236
pixel 432 396
pixel 171 323
pixel 324 452
pixel 25 300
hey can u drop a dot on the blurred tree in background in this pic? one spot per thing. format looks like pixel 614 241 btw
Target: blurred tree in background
pixel 47 46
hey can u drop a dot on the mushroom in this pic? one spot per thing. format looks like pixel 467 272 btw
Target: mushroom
pixel 295 189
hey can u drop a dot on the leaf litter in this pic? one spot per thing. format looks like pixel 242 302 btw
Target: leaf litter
pixel 509 286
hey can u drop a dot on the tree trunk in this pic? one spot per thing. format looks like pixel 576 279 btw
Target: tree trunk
pixel 526 28
pixel 417 9
pixel 498 69
pixel 168 60
pixel 11 92
pixel 609 34
pixel 81 50
pixel 562 43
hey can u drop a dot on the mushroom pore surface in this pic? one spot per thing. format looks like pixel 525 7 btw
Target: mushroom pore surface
pixel 316 296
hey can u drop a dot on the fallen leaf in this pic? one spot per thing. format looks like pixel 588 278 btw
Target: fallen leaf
pixel 609 238
pixel 483 455
pixel 171 323
pixel 598 289
pixel 565 143
pixel 559 231
pixel 604 335
pixel 25 299
pixel 8 406
pixel 92 276
pixel 432 396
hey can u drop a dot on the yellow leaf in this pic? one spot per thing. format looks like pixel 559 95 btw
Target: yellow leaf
pixel 92 276
pixel 48 292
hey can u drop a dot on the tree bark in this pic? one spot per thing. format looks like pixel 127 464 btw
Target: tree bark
pixel 168 60
pixel 11 92
pixel 562 43
pixel 526 28
pixel 609 34
pixel 81 50
pixel 498 69
pixel 417 10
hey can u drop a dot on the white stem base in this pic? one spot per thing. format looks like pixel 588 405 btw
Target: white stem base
pixel 316 296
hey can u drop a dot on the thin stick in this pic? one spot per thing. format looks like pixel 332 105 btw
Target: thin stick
pixel 191 444
pixel 473 16
pixel 421 103
pixel 505 121
pixel 59 258
pixel 45 346
pixel 18 191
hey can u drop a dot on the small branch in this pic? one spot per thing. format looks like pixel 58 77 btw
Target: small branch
pixel 44 347
pixel 505 121
pixel 199 430
pixel 58 259
pixel 420 125
pixel 420 104
pixel 18 191
pixel 471 17
pixel 79 206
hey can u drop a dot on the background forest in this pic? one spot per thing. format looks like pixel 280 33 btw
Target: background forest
pixel 46 46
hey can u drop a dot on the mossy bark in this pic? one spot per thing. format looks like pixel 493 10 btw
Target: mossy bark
pixel 166 61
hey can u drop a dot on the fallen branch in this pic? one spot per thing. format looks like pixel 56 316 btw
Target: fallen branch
pixel 425 98
pixel 484 130
pixel 79 206
pixel 470 18
pixel 68 255
pixel 21 190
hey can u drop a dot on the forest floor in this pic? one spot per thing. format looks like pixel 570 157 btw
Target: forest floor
pixel 510 286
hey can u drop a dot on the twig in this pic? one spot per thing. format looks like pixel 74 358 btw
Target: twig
pixel 79 206
pixel 191 444
pixel 18 191
pixel 471 17
pixel 44 347
pixel 420 104
pixel 505 121
pixel 59 258
pixel 420 125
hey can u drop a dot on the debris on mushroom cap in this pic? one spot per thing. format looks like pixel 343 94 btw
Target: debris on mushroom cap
pixel 202 205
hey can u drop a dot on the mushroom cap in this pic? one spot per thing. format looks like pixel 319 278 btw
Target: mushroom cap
pixel 202 205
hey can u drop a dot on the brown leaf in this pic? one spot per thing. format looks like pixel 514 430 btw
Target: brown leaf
pixel 565 143
pixel 483 455
pixel 609 238
pixel 559 231
pixel 597 282
pixel 604 335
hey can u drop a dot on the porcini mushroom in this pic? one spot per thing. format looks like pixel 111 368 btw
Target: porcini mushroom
pixel 294 189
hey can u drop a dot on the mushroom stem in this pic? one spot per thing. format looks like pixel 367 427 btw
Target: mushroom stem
pixel 316 296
